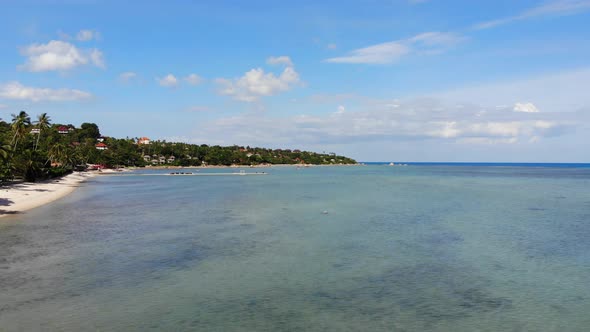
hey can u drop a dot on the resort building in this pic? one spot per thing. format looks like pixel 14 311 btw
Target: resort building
pixel 147 158
pixel 171 159
pixel 63 130
pixel 143 140
pixel 35 131
pixel 101 146
pixel 162 159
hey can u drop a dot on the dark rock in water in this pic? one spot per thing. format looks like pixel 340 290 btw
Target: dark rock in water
pixel 536 209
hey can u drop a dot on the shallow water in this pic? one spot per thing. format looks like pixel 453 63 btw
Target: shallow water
pixel 437 248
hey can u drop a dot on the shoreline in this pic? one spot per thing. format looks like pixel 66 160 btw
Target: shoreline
pixel 239 166
pixel 20 197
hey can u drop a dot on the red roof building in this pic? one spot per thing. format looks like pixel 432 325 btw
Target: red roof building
pixel 143 140
pixel 101 146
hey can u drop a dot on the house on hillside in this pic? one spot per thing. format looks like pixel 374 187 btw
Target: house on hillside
pixel 171 159
pixel 101 146
pixel 147 158
pixel 162 159
pixel 143 140
pixel 35 131
pixel 63 130
pixel 100 139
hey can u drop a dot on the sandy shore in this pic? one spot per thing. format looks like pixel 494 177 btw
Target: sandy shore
pixel 21 197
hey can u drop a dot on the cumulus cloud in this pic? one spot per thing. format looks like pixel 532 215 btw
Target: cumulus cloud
pixel 426 43
pixel 280 60
pixel 87 35
pixel 127 76
pixel 17 91
pixel 59 55
pixel 550 8
pixel 555 92
pixel 256 83
pixel 421 119
pixel 340 110
pixel 525 108
pixel 193 79
pixel 168 81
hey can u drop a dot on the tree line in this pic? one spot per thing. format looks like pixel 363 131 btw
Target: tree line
pixel 33 149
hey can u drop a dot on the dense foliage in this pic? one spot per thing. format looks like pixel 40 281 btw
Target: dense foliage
pixel 37 149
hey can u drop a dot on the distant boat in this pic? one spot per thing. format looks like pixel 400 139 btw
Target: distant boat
pixel 391 164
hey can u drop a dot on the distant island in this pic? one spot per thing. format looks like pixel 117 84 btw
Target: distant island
pixel 39 149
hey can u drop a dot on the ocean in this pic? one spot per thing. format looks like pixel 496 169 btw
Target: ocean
pixel 423 247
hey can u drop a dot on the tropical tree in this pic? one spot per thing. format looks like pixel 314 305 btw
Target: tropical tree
pixel 57 153
pixel 29 165
pixel 4 152
pixel 43 122
pixel 20 123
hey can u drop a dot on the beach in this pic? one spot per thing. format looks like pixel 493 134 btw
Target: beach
pixel 20 197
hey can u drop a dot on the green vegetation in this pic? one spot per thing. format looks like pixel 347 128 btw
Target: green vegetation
pixel 40 149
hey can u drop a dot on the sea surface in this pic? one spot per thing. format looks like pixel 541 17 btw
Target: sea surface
pixel 433 247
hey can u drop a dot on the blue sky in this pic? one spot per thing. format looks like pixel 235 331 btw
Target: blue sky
pixel 409 80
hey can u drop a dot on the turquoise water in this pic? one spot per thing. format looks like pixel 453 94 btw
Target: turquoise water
pixel 416 248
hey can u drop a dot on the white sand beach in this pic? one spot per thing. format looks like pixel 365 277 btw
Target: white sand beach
pixel 24 196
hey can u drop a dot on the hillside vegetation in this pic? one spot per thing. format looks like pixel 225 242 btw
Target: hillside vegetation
pixel 34 149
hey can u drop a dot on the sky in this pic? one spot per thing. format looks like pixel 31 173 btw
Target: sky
pixel 376 80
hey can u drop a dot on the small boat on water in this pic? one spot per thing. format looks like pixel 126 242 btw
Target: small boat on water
pixel 391 164
pixel 181 173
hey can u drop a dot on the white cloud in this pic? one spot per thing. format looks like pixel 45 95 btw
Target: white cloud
pixel 127 76
pixel 426 43
pixel 280 60
pixel 341 110
pixel 376 54
pixel 550 8
pixel 525 107
pixel 554 92
pixel 17 91
pixel 168 81
pixel 256 83
pixel 59 55
pixel 97 58
pixel 437 39
pixel 87 35
pixel 193 79
pixel 386 121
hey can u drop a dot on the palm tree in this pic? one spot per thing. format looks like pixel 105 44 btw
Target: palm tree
pixel 4 152
pixel 20 122
pixel 57 153
pixel 43 122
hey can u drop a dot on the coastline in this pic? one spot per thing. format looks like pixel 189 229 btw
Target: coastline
pixel 239 166
pixel 20 197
